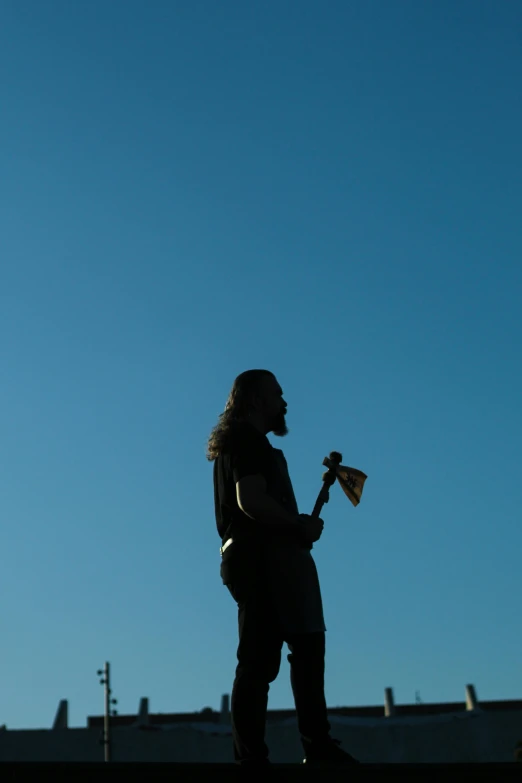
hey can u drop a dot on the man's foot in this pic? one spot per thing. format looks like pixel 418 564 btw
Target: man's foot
pixel 328 753
pixel 254 763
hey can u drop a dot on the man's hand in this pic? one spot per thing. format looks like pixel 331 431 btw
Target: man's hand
pixel 312 527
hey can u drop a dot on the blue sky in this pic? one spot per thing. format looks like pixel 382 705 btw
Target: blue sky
pixel 189 189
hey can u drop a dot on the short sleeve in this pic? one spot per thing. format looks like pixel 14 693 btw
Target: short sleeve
pixel 248 458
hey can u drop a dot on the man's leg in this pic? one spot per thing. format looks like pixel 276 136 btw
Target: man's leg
pixel 259 659
pixel 307 654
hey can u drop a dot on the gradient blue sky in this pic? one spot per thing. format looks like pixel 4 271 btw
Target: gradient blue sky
pixel 331 190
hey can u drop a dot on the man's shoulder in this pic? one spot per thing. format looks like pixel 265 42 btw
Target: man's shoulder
pixel 244 436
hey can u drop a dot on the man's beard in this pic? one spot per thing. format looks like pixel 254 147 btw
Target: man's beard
pixel 280 429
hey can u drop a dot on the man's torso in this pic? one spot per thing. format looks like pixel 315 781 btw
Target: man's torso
pixel 287 567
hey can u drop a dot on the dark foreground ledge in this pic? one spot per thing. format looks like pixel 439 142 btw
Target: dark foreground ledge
pixel 146 772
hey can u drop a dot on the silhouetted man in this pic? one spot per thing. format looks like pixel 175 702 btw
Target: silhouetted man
pixel 269 570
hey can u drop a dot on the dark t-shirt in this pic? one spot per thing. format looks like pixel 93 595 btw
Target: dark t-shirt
pixel 290 572
pixel 248 453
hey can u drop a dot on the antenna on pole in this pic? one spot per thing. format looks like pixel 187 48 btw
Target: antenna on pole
pixel 105 680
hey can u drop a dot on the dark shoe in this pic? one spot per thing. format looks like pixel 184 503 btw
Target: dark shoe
pixel 254 763
pixel 328 753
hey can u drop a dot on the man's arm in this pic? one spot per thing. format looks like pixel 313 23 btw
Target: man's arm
pixel 254 501
pixel 256 504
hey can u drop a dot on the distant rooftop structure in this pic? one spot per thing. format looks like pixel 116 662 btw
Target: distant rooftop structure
pixel 144 719
pixel 444 732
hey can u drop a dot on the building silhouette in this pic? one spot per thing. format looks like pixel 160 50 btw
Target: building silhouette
pixel 466 731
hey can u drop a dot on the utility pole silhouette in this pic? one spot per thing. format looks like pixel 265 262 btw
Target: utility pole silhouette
pixel 105 680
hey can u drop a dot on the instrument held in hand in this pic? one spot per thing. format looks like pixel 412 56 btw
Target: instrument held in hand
pixel 350 479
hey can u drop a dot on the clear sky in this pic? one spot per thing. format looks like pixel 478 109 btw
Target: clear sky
pixel 328 189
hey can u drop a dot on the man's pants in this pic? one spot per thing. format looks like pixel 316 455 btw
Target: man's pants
pixel 259 658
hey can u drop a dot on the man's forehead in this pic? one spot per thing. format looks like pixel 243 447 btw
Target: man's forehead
pixel 275 385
